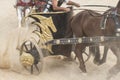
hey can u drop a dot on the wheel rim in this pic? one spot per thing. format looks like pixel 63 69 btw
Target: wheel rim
pixel 31 48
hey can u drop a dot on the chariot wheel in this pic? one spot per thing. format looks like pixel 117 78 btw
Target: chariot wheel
pixel 31 57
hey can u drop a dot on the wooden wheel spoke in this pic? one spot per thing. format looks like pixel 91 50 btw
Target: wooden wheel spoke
pixel 26 47
pixel 33 49
pixel 36 67
pixel 32 69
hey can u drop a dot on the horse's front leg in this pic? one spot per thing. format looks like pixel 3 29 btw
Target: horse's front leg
pixel 78 51
pixel 103 60
pixel 96 52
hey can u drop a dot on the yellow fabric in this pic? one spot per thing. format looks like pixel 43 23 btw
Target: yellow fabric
pixel 26 59
pixel 47 22
pixel 46 35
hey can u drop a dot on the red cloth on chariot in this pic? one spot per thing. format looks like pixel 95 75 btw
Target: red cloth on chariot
pixel 21 3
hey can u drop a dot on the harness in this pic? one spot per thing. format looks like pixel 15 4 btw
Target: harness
pixel 114 15
pixel 110 14
pixel 116 20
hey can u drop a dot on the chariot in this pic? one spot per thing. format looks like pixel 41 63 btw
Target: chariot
pixel 51 30
pixel 49 26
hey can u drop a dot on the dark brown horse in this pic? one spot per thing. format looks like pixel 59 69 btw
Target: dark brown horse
pixel 85 24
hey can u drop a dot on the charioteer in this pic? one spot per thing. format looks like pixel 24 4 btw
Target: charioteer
pixel 53 5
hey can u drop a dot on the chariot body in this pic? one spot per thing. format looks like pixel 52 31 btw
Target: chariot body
pixel 49 26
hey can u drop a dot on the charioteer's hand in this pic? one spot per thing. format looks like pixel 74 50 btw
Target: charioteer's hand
pixel 73 3
pixel 67 9
pixel 77 5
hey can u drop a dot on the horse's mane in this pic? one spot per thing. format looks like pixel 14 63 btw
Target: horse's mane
pixel 97 14
pixel 94 13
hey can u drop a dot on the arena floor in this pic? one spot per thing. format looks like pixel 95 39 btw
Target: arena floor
pixel 54 68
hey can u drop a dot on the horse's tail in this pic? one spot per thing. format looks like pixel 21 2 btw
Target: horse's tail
pixel 69 32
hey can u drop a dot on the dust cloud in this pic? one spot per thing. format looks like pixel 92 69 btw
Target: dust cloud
pixel 54 68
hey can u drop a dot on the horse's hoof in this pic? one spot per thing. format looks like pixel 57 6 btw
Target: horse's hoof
pixel 83 69
pixel 97 62
pixel 102 61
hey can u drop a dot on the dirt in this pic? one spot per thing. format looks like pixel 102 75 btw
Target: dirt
pixel 54 68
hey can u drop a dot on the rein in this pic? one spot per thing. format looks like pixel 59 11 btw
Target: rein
pixel 87 9
pixel 90 12
pixel 97 6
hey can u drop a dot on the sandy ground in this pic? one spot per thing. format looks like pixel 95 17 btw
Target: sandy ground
pixel 54 69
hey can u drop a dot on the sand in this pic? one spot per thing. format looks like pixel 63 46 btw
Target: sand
pixel 54 68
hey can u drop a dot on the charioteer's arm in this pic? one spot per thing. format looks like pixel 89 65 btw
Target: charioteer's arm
pixel 57 8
